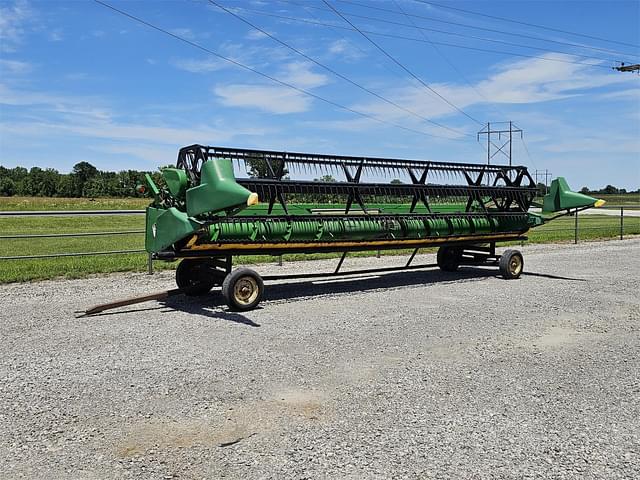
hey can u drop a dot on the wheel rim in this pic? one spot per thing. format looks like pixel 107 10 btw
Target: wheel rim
pixel 515 265
pixel 246 290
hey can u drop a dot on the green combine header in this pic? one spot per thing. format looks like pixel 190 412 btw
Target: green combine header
pixel 204 215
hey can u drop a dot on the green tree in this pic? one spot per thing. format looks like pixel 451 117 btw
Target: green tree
pixel 66 186
pixel 7 187
pixel 82 172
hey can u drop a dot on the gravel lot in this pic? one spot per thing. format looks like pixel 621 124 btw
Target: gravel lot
pixel 415 374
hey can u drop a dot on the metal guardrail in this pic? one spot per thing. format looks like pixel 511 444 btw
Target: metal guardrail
pixel 58 213
pixel 576 229
pixel 72 213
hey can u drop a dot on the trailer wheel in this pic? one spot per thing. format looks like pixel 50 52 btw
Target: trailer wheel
pixel 243 289
pixel 511 264
pixel 449 258
pixel 197 277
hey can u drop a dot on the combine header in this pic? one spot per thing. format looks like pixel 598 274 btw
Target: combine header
pixel 205 215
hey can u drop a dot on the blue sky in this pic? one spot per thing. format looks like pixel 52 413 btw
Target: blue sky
pixel 80 82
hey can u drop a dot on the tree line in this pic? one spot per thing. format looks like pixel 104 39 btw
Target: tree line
pixel 85 180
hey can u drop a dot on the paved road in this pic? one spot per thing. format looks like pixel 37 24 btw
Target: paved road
pixel 408 375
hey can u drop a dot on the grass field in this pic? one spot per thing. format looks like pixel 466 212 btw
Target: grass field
pixel 560 230
pixel 620 200
pixel 54 203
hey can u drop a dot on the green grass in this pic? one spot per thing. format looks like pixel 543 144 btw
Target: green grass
pixel 54 203
pixel 620 200
pixel 561 230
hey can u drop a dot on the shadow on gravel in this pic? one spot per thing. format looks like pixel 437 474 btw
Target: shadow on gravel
pixel 206 306
pixel 213 305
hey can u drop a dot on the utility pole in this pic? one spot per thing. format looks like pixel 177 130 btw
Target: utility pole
pixel 495 137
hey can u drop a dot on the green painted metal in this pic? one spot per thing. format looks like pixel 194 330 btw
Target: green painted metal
pixel 166 227
pixel 218 190
pixel 176 180
pixel 155 191
pixel 360 229
pixel 560 197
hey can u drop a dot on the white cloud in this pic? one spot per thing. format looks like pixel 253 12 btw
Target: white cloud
pixel 56 35
pixel 199 65
pixel 301 75
pixel 270 99
pixel 522 82
pixel 345 49
pixel 273 98
pixel 255 35
pixel 184 33
pixel 13 18
pixel 14 66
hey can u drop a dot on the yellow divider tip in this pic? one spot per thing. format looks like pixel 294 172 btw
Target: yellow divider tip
pixel 253 199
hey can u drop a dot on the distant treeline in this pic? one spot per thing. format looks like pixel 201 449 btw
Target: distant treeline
pixel 85 180
pixel 609 189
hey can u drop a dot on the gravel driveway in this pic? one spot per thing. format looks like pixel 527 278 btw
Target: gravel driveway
pixel 411 375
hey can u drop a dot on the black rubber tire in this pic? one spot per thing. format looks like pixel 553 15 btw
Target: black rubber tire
pixel 197 277
pixel 511 264
pixel 243 289
pixel 448 258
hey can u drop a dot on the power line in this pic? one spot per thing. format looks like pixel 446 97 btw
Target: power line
pixel 331 70
pixel 265 75
pixel 401 37
pixel 462 35
pixel 444 57
pixel 393 59
pixel 527 24
pixel 526 149
pixel 466 25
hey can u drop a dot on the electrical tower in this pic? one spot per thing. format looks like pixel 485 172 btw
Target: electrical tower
pixel 500 145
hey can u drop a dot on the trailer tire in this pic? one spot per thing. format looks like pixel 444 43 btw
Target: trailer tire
pixel 448 258
pixel 511 264
pixel 243 289
pixel 197 277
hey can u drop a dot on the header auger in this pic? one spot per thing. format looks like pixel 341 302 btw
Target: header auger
pixel 205 215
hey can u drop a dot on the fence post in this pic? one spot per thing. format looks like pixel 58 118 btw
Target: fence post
pixel 150 264
pixel 621 222
pixel 576 228
pixel 279 260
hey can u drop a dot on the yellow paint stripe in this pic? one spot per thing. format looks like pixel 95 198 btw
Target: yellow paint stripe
pixel 373 244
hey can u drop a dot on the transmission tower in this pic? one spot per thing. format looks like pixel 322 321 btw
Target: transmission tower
pixel 499 140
